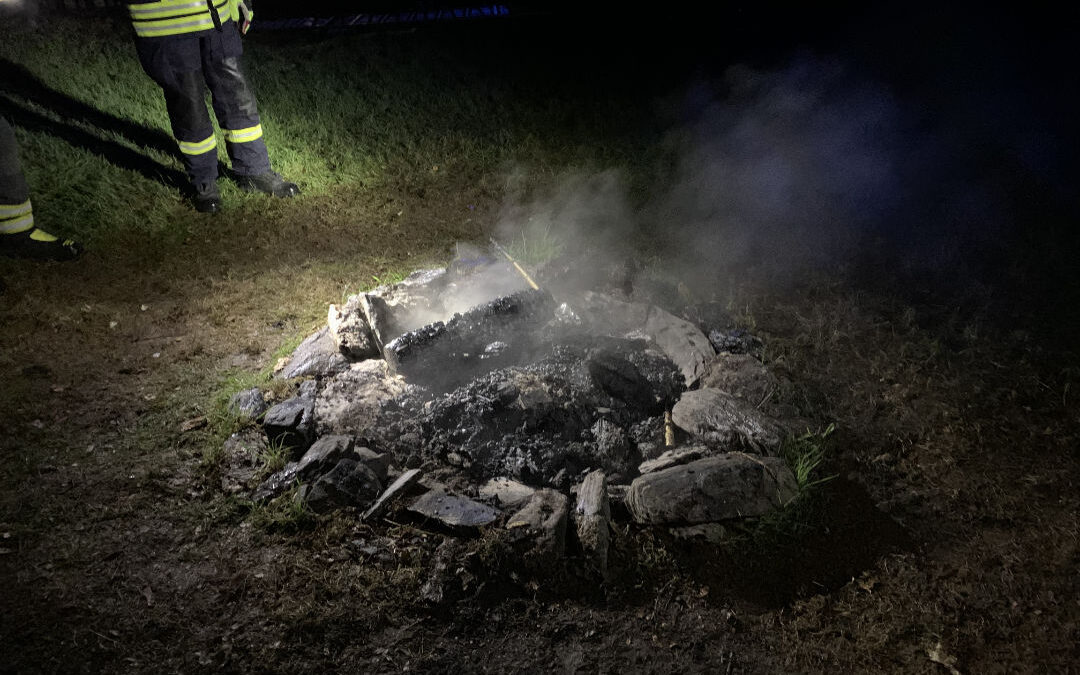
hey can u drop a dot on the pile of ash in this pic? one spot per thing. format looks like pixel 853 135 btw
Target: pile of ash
pixel 473 412
pixel 591 402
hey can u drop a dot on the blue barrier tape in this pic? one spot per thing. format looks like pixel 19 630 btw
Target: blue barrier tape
pixel 384 18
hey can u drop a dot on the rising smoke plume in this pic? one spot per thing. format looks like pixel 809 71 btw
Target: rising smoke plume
pixel 818 165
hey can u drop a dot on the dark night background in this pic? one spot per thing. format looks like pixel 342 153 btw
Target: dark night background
pixel 983 100
pixel 922 157
pixel 939 139
pixel 970 108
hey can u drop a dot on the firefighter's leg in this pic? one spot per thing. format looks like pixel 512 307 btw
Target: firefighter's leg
pixel 19 237
pixel 175 65
pixel 237 114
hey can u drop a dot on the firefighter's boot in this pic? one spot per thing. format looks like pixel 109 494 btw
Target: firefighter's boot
pixel 207 197
pixel 270 183
pixel 39 245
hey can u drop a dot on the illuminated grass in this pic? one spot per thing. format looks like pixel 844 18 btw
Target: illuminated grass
pixel 535 244
pixel 341 118
pixel 805 454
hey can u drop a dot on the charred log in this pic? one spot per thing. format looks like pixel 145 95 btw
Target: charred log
pixel 443 356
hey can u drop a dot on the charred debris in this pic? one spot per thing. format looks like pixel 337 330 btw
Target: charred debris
pixel 469 401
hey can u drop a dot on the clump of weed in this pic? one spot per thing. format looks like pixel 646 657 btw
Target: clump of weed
pixel 223 418
pixel 535 243
pixel 286 513
pixel 274 457
pixel 781 533
pixel 805 453
pixel 642 559
pixel 389 278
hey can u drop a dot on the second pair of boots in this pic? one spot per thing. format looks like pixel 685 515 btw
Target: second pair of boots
pixel 207 197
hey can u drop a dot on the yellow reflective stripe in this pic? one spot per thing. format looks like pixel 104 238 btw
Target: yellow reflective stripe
pixel 172 27
pixel 174 17
pixel 168 9
pixel 243 135
pixel 165 9
pixel 197 148
pixel 12 210
pixel 42 235
pixel 17 225
pixel 230 11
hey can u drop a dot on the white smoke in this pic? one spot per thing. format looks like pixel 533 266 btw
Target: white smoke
pixel 779 170
pixel 813 165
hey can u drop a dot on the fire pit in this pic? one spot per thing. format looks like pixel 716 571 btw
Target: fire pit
pixel 474 399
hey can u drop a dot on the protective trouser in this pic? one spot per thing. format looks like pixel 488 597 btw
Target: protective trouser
pixel 183 66
pixel 16 214
pixel 18 236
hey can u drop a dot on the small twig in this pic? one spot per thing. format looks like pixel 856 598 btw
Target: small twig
pixel 765 399
pixel 113 640
pixel 518 267
pixel 149 338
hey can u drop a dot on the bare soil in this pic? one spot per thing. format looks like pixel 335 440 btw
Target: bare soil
pixel 947 541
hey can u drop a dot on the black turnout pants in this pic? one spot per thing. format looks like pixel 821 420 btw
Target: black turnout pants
pixel 185 66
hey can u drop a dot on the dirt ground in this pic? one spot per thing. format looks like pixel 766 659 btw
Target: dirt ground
pixel 947 542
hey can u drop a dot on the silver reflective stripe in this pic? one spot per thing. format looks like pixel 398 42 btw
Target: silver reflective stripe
pixel 243 135
pixel 12 210
pixel 197 147
pixel 17 225
pixel 169 28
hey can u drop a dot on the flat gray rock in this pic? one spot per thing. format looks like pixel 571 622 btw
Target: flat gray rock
pixel 392 309
pixel 349 483
pixel 349 401
pixel 453 510
pixel 398 487
pixel 379 462
pixel 350 330
pixel 680 340
pixel 673 458
pixel 324 454
pixel 248 403
pixel 320 458
pixel 538 529
pixel 718 418
pixel 317 356
pixel 713 489
pixel 292 422
pixel 506 491
pixel 592 519
pixel 742 376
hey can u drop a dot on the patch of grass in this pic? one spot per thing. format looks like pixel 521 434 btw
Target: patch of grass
pixel 805 454
pixel 389 278
pixel 274 457
pixel 222 418
pixel 211 457
pixel 224 421
pixel 286 348
pixel 535 243
pixel 779 530
pixel 285 513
